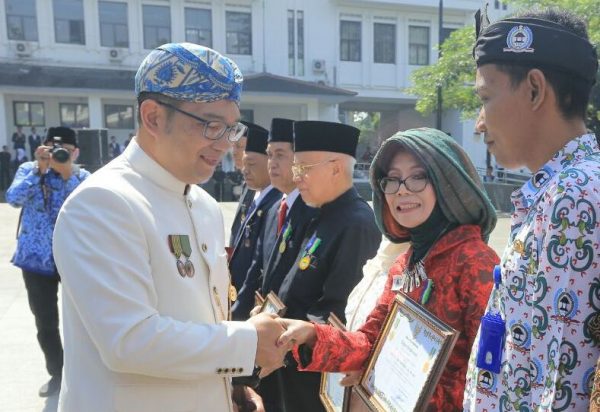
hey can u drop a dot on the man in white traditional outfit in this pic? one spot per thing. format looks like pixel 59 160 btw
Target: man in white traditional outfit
pixel 140 248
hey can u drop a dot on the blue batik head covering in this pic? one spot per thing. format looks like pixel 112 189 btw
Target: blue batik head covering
pixel 189 72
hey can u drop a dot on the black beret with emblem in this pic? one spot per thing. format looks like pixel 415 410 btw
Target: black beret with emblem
pixel 257 138
pixel 312 135
pixel 62 134
pixel 282 130
pixel 535 42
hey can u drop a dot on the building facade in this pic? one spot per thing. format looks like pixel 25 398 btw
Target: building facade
pixel 72 62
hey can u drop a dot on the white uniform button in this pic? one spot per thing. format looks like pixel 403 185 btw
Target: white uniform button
pixel 204 247
pixel 189 203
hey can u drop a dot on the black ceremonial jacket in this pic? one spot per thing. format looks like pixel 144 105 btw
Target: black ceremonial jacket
pixel 348 236
pixel 245 243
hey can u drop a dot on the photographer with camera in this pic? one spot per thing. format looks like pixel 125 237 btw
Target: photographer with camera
pixel 40 188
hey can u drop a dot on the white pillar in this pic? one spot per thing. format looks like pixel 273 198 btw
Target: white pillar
pixel 95 107
pixel 4 122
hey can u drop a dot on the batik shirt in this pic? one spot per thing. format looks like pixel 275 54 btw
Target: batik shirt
pixel 549 296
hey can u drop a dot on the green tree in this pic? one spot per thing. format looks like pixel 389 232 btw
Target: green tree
pixel 455 70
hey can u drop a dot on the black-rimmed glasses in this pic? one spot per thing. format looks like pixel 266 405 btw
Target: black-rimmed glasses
pixel 390 185
pixel 213 129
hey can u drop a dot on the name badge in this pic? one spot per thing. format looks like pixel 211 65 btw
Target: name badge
pixel 397 282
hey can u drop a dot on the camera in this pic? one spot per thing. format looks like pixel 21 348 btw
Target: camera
pixel 59 153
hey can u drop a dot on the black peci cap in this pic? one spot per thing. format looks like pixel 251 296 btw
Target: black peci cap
pixel 65 135
pixel 257 138
pixel 311 135
pixel 282 130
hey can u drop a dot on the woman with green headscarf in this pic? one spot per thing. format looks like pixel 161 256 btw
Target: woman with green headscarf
pixel 427 192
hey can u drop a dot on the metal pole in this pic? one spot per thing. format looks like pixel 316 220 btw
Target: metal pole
pixel 438 123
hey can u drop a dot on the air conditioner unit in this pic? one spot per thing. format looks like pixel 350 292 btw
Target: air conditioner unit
pixel 22 49
pixel 115 55
pixel 318 66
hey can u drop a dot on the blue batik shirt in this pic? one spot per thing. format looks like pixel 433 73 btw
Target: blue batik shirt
pixel 41 198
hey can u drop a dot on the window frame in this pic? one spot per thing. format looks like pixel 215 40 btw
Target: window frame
pixel 114 26
pixel 24 33
pixel 237 50
pixel 68 21
pixel 30 123
pixel 120 122
pixel 379 44
pixel 209 30
pixel 420 47
pixel 346 44
pixel 146 26
pixel 76 124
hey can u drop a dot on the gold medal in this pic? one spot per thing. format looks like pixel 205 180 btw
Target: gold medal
pixel 232 293
pixel 304 263
pixel 282 247
pixel 519 247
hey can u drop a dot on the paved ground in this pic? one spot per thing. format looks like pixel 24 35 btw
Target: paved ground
pixel 22 369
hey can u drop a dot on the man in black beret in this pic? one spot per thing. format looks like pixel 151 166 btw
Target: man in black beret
pixel 256 176
pixel 337 242
pixel 534 76
pixel 40 188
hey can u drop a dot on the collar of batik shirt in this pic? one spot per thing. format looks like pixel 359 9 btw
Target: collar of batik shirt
pixel 573 152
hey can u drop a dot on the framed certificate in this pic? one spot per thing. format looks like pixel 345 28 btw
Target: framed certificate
pixel 408 359
pixel 258 299
pixel 272 304
pixel 334 396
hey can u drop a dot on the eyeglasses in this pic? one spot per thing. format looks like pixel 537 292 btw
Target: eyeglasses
pixel 415 184
pixel 300 170
pixel 213 129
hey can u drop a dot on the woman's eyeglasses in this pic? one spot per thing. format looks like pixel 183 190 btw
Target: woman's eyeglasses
pixel 390 185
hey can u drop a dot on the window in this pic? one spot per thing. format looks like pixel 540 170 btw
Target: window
pixel 75 115
pixel 113 24
pixel 446 32
pixel 350 37
pixel 68 21
pixel 296 42
pixel 29 113
pixel 21 22
pixel 157 26
pixel 198 26
pixel 384 43
pixel 418 45
pixel 496 4
pixel 117 116
pixel 239 32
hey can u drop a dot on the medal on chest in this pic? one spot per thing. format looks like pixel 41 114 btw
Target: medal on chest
pixel 287 231
pixel 308 254
pixel 180 245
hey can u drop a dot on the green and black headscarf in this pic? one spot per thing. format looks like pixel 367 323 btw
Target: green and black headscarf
pixel 461 198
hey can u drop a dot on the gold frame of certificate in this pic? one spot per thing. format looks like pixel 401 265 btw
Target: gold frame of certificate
pixel 331 400
pixel 272 304
pixel 408 359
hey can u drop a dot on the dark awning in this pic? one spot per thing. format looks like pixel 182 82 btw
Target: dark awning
pixel 23 75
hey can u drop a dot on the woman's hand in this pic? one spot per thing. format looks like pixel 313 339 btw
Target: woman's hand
pixel 351 378
pixel 297 332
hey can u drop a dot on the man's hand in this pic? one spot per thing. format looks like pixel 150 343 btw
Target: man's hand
pixel 246 400
pixel 268 354
pixel 255 310
pixel 297 332
pixel 42 155
pixel 64 169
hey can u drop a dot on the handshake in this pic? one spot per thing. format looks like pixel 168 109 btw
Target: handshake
pixel 276 337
